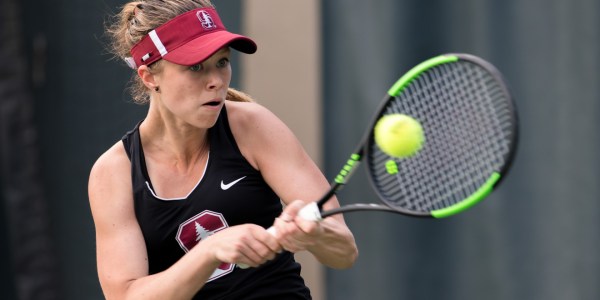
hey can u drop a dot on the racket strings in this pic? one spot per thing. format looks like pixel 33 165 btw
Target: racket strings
pixel 467 123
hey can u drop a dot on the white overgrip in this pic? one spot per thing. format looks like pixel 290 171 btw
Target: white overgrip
pixel 311 212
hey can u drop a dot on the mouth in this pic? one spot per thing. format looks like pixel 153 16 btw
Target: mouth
pixel 213 103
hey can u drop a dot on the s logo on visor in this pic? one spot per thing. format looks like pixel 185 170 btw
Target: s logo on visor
pixel 206 20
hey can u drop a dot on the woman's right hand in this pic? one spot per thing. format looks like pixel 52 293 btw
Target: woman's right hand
pixel 247 244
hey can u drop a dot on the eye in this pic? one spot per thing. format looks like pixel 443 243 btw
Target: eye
pixel 196 68
pixel 224 62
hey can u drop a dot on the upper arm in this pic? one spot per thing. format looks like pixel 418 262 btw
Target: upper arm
pixel 121 252
pixel 276 152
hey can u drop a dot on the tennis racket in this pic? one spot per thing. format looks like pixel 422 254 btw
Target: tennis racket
pixel 471 131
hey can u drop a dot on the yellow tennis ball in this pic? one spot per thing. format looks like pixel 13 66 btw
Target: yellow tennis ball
pixel 399 135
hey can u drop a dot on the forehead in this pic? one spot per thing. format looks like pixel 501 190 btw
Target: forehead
pixel 223 51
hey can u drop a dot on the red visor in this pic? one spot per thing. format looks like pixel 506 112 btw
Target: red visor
pixel 188 39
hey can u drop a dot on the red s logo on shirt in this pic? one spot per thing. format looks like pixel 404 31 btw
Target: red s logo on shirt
pixel 199 227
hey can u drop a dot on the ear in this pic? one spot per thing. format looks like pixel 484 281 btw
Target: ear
pixel 148 78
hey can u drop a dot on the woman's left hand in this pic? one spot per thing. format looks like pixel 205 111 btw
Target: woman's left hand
pixel 293 232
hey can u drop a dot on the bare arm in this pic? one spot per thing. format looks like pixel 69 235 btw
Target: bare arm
pixel 121 251
pixel 274 150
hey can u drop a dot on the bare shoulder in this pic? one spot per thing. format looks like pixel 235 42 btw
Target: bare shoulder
pixel 259 133
pixel 111 163
pixel 110 178
pixel 254 119
pixel 246 114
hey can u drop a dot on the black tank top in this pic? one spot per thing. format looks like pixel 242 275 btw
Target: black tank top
pixel 230 192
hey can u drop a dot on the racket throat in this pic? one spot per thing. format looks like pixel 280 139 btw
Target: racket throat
pixel 340 180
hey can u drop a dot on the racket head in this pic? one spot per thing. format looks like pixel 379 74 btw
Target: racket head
pixel 470 124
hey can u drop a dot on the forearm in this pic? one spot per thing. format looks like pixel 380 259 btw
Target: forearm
pixel 244 244
pixel 180 281
pixel 335 246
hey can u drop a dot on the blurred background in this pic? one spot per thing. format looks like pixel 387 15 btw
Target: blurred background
pixel 322 66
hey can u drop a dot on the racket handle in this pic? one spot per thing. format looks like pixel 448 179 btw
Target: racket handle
pixel 270 230
pixel 311 212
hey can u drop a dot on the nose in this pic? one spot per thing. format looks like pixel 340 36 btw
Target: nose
pixel 215 81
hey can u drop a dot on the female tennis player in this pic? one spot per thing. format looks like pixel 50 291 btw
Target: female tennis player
pixel 187 194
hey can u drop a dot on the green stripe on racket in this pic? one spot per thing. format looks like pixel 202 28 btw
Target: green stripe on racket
pixel 470 127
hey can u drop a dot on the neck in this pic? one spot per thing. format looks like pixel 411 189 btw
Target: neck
pixel 179 144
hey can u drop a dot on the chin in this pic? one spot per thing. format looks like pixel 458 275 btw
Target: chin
pixel 207 119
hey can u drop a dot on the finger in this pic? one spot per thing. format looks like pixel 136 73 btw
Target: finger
pixel 267 244
pixel 258 253
pixel 295 244
pixel 311 228
pixel 291 237
pixel 283 230
pixel 257 247
pixel 291 210
pixel 268 238
pixel 283 227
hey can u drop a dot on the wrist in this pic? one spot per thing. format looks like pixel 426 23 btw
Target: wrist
pixel 208 251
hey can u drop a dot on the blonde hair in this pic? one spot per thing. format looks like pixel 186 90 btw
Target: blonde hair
pixel 235 95
pixel 135 20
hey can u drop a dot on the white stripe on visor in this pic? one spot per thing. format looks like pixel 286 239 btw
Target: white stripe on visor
pixel 157 43
pixel 130 62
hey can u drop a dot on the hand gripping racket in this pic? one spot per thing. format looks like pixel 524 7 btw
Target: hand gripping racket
pixel 471 130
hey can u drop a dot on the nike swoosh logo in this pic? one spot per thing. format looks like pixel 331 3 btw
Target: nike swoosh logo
pixel 227 186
